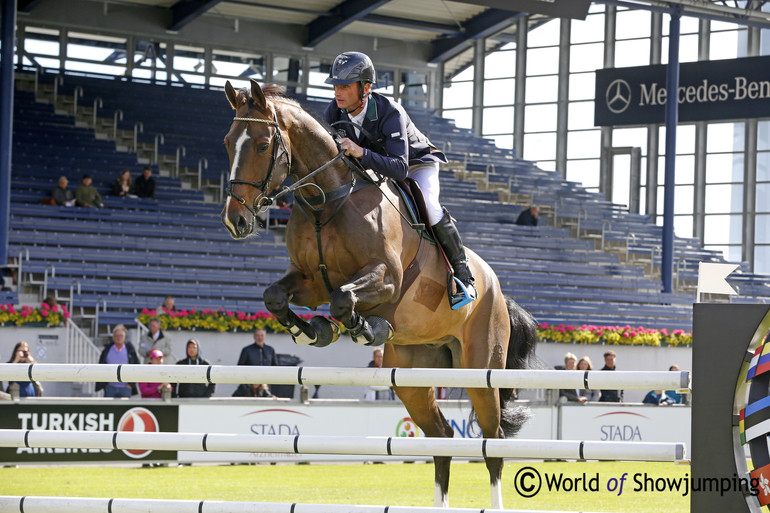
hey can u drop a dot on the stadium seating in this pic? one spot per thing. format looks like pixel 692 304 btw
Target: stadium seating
pixel 593 264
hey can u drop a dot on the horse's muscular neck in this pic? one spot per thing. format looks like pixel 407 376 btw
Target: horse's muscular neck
pixel 311 148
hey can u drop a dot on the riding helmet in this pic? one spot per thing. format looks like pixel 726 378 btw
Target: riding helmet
pixel 351 67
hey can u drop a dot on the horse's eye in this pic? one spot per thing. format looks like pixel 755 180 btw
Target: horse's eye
pixel 262 147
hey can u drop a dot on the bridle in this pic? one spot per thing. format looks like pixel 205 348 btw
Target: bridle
pixel 262 200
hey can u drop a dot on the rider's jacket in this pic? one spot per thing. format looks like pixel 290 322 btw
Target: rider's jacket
pixel 397 143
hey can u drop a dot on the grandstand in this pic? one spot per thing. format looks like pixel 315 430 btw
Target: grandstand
pixel 593 263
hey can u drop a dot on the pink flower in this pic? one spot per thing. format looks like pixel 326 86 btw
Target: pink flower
pixel 66 315
pixel 44 313
pixel 229 313
pixel 55 309
pixel 44 306
pixel 145 311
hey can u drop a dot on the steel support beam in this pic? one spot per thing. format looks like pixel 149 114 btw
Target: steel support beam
pixel 562 102
pixel 186 11
pixel 339 17
pixel 484 24
pixel 7 36
pixel 521 86
pixel 701 133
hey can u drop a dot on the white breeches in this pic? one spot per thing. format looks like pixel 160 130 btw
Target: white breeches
pixel 426 176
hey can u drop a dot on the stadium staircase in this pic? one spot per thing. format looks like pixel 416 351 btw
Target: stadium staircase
pixel 593 263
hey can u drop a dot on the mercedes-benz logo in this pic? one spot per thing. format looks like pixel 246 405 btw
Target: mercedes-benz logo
pixel 618 96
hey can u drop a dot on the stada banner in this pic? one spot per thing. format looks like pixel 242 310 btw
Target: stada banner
pixel 708 91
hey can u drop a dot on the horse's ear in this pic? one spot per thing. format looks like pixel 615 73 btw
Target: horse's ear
pixel 258 96
pixel 232 97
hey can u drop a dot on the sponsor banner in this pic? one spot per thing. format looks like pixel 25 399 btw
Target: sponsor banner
pixel 353 419
pixel 708 90
pixel 625 423
pixel 94 416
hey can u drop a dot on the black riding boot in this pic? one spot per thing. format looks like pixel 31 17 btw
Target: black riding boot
pixel 463 283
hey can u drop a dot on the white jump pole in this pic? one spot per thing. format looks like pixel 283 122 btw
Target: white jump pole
pixel 18 504
pixel 466 378
pixel 312 444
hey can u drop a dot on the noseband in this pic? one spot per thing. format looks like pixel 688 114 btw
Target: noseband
pixel 277 141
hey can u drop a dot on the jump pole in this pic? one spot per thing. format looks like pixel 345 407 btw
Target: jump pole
pixel 19 504
pixel 465 378
pixel 313 444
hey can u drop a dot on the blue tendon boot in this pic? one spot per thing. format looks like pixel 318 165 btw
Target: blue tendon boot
pixel 462 279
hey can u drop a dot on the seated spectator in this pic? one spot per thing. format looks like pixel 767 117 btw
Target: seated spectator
pixel 154 390
pixel 245 390
pixel 675 396
pixel 118 352
pixel 144 187
pixel 658 397
pixel 168 304
pixel 22 354
pixel 584 364
pixel 62 195
pixel 122 186
pixel 86 194
pixel 528 217
pixel 194 389
pixel 571 394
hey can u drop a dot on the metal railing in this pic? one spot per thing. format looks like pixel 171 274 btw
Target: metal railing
pixel 81 349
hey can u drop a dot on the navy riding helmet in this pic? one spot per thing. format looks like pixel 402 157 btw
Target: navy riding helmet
pixel 351 67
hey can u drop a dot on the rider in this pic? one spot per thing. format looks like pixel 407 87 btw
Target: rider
pixel 387 141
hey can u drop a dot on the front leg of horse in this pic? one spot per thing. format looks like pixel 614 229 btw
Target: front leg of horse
pixel 370 287
pixel 318 331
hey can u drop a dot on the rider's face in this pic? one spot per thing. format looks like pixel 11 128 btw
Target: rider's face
pixel 348 97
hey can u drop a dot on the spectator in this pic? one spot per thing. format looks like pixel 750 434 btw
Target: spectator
pixel 257 353
pixel 154 390
pixel 675 396
pixel 528 217
pixel 122 185
pixel 118 352
pixel 168 305
pixel 155 339
pixel 584 364
pixel 144 187
pixel 62 195
pixel 86 194
pixel 571 394
pixel 610 396
pixel 22 354
pixel 378 393
pixel 194 358
pixel 261 390
pixel 658 397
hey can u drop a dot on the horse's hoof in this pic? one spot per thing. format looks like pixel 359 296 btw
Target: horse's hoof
pixel 327 331
pixel 380 331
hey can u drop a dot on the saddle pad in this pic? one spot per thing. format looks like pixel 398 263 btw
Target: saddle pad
pixel 415 205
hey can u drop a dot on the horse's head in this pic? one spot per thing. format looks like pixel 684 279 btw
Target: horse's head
pixel 259 158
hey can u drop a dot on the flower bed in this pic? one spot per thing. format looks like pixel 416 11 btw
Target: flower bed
pixel 226 320
pixel 613 335
pixel 43 315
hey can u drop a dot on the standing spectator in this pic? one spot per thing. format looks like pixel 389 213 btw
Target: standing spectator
pixel 144 187
pixel 86 194
pixel 122 185
pixel 610 396
pixel 62 195
pixel 22 354
pixel 118 352
pixel 528 217
pixel 155 339
pixel 154 390
pixel 584 364
pixel 571 394
pixel 194 358
pixel 378 393
pixel 261 390
pixel 257 353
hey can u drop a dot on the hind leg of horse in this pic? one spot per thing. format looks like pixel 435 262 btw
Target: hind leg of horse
pixel 318 332
pixel 486 403
pixel 422 407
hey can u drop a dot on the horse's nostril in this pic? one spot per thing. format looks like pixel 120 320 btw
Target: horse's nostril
pixel 242 225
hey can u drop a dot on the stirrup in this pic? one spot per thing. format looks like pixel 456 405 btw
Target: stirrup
pixel 468 295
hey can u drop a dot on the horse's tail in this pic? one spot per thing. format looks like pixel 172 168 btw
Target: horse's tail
pixel 520 346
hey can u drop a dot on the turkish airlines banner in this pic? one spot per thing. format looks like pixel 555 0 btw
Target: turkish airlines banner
pixel 708 91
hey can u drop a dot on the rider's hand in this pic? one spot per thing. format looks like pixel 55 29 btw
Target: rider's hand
pixel 351 149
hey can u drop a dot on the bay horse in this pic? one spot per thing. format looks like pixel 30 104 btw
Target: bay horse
pixel 350 247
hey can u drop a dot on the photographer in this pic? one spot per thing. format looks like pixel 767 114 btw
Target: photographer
pixel 21 354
